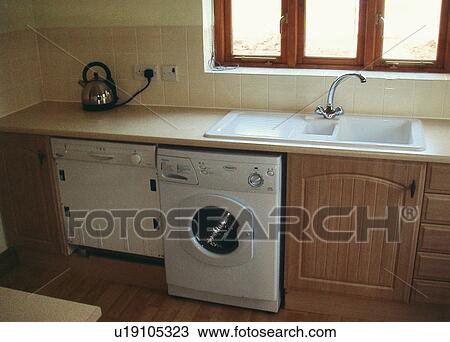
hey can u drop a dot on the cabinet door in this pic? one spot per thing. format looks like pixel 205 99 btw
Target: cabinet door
pixel 28 197
pixel 373 266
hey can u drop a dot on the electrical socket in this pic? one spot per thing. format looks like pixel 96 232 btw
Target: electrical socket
pixel 140 68
pixel 169 73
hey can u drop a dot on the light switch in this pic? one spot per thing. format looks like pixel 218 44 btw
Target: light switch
pixel 169 73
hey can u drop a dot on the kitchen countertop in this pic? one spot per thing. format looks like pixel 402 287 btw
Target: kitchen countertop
pixel 19 306
pixel 186 126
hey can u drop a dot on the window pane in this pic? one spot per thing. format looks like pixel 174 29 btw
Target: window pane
pixel 411 29
pixel 332 28
pixel 256 27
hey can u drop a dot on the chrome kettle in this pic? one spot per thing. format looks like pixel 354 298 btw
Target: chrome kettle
pixel 98 94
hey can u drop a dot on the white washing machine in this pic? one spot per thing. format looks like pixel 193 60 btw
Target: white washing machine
pixel 221 243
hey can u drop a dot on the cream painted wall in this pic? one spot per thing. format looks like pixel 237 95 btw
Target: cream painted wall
pixel 69 13
pixel 15 14
pixel 3 245
pixel 20 75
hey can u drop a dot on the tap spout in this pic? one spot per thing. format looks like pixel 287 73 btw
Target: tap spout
pixel 330 112
pixel 339 80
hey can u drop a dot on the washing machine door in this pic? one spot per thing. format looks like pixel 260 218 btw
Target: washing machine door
pixel 220 231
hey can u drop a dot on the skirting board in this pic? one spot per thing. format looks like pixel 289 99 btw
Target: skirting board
pixel 122 271
pixel 364 308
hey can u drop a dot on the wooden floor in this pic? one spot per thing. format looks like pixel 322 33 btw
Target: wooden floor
pixel 137 291
pixel 120 302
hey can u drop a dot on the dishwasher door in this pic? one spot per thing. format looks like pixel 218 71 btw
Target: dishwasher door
pixel 107 179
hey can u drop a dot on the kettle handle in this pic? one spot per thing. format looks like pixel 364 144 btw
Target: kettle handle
pixel 99 64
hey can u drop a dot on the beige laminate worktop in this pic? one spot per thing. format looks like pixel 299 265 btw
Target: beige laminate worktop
pixel 19 306
pixel 186 126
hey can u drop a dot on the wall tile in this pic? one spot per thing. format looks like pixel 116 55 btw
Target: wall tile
pixel 368 97
pixel 399 98
pixel 368 100
pixel 22 43
pixel 124 40
pixel 79 40
pixel 174 45
pixel 348 83
pixel 30 93
pixel 28 69
pixel 282 93
pixel 20 71
pixel 227 91
pixel 56 64
pixel 6 76
pixel 154 95
pixel 345 98
pixel 126 88
pixel 177 93
pixel 149 40
pixel 150 58
pixel 446 113
pixel 255 92
pixel 310 93
pixel 372 83
pixel 195 50
pixel 55 89
pixel 429 99
pixel 201 91
pixel 398 102
pixel 4 42
pixel 399 84
pixel 73 89
pixel 124 64
pixel 123 47
pixel 52 38
pixel 101 39
pixel 8 102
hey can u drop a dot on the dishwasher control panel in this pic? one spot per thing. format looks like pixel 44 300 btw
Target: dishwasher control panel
pixel 105 152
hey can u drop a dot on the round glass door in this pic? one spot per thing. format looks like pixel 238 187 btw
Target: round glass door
pixel 215 229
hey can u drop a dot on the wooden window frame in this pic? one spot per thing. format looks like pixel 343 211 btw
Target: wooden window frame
pixel 369 49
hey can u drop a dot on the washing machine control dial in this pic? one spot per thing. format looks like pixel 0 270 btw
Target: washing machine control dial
pixel 136 159
pixel 255 180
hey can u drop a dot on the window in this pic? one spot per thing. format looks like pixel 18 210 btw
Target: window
pixel 400 35
pixel 259 36
pixel 325 40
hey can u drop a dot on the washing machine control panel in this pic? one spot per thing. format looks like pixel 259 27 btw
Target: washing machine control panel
pixel 226 171
pixel 237 176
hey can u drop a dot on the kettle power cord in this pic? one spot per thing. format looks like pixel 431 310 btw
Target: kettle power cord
pixel 148 74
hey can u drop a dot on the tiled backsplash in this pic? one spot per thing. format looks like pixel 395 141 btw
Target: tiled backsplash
pixel 123 47
pixel 20 71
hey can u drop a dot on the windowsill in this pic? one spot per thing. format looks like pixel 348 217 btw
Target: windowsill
pixel 331 73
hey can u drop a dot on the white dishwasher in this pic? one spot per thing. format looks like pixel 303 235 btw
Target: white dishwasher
pixel 109 195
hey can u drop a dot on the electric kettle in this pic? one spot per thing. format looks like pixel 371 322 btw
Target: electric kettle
pixel 98 94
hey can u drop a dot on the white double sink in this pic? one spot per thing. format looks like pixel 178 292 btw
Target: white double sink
pixel 348 130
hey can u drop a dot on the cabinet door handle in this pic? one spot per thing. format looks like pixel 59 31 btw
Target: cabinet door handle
pixel 41 157
pixel 413 188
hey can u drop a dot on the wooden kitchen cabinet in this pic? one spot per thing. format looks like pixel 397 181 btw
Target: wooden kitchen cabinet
pixel 28 198
pixel 432 270
pixel 436 209
pixel 374 267
pixel 438 178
